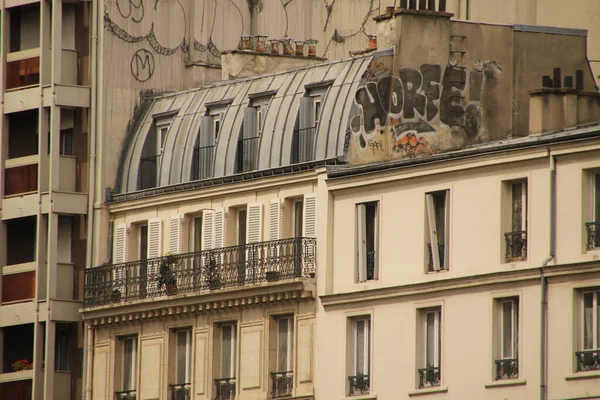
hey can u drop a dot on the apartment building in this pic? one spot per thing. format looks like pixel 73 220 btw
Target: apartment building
pixel 457 250
pixel 44 85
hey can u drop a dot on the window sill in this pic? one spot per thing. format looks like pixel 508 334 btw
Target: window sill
pixel 583 375
pixel 433 390
pixel 506 383
pixel 363 397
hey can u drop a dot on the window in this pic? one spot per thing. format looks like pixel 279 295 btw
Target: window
pixel 217 125
pixel 516 239
pixel 61 351
pixel 283 376
pixel 593 236
pixel 128 367
pixel 431 347
pixel 368 240
pixel 588 356
pixel 507 352
pixel 162 128
pixel 316 110
pixel 66 142
pixel 360 378
pixel 183 364
pixel 226 383
pixel 438 218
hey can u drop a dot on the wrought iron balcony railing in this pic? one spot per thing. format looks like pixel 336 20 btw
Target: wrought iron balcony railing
pixel 283 383
pixel 370 265
pixel 359 384
pixel 204 270
pixel 126 395
pixel 225 388
pixel 429 377
pixel 303 143
pixel 148 172
pixel 588 360
pixel 507 368
pixel 181 391
pixel 247 154
pixel 593 235
pixel 516 245
pixel 202 162
pixel 441 255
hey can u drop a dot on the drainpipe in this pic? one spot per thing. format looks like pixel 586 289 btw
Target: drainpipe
pixel 544 281
pixel 87 344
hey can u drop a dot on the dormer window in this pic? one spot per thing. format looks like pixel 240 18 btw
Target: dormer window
pixel 204 149
pixel 309 116
pixel 154 147
pixel 252 130
pixel 162 128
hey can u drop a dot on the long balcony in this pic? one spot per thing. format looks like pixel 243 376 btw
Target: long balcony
pixel 208 270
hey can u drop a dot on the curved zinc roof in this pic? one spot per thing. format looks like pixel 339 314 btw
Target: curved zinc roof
pixel 185 110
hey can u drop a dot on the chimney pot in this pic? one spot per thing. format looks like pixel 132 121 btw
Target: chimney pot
pixel 312 47
pixel 300 47
pixel 260 43
pixel 372 42
pixel 442 6
pixel 287 46
pixel 389 9
pixel 274 46
pixel 556 78
pixel 404 4
pixel 579 79
pixel 412 4
pixel 245 43
pixel 422 4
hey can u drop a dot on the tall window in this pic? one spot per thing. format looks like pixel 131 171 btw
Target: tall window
pixel 184 357
pixel 516 239
pixel 128 367
pixel 227 382
pixel 507 364
pixel 161 135
pixel 438 217
pixel 589 354
pixel 283 376
pixel 316 110
pixel 360 378
pixel 368 229
pixel 431 347
pixel 61 351
pixel 593 226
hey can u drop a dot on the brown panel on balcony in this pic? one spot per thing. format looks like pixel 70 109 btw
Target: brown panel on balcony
pixel 16 390
pixel 21 179
pixel 22 73
pixel 18 287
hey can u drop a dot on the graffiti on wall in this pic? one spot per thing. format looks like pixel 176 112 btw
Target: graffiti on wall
pixel 411 107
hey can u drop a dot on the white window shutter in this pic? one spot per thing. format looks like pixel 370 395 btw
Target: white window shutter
pixel 447 231
pixel 208 229
pixel 154 238
pixel 220 228
pixel 361 216
pixel 68 26
pixel 274 219
pixel 254 223
pixel 120 244
pixel 64 240
pixel 174 233
pixel 433 235
pixel 309 217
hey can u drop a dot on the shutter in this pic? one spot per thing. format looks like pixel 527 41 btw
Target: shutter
pixel 249 147
pixel 119 244
pixel 254 223
pixel 68 26
pixel 447 231
pixel 361 216
pixel 30 30
pixel 249 123
pixel 174 233
pixel 64 240
pixel 208 228
pixel 309 217
pixel 262 110
pixel 219 230
pixel 66 119
pixel 207 135
pixel 274 219
pixel 307 119
pixel 206 139
pixel 154 237
pixel 305 134
pixel 433 237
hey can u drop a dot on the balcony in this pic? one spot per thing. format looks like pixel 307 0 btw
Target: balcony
pixel 235 266
pixel 283 383
pixel 202 163
pixel 148 172
pixel 588 360
pixel 429 377
pixel 181 392
pixel 126 395
pixel 516 246
pixel 21 175
pixel 507 369
pixel 225 389
pixel 593 238
pixel 441 255
pixel 359 385
pixel 16 385
pixel 23 69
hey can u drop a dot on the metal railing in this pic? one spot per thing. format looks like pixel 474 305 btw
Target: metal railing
pixel 359 384
pixel 283 383
pixel 126 395
pixel 204 270
pixel 588 360
pixel 370 265
pixel 429 377
pixel 202 162
pixel 148 172
pixel 507 368
pixel 303 144
pixel 441 256
pixel 593 235
pixel 516 245
pixel 181 391
pixel 247 153
pixel 225 388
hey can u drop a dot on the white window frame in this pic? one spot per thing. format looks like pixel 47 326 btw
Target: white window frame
pixel 132 364
pixel 361 240
pixel 317 109
pixel 514 350
pixel 437 337
pixel 523 184
pixel 432 229
pixel 161 126
pixel 289 352
pixel 595 331
pixel 187 354
pixel 366 345
pixel 233 351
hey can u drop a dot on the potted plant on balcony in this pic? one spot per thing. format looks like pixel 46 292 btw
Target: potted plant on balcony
pixel 166 276
pixel 21 365
pixel 272 276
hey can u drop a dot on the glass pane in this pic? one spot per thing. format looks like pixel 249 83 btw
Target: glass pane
pixel 282 345
pixel 507 329
pixel 181 357
pixel 588 321
pixel 439 200
pixel 360 347
pixel 127 363
pixel 517 207
pixel 197 233
pixel 226 351
pixel 298 218
pixel 430 341
pixel 597 320
pixel 597 197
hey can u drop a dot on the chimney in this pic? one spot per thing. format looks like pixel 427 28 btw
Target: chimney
pixel 372 42
pixel 260 42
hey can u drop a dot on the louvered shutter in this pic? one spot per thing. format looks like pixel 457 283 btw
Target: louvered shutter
pixel 64 240
pixel 208 229
pixel 30 30
pixel 220 230
pixel 433 235
pixel 174 233
pixel 67 120
pixel 306 132
pixel 154 238
pixel 68 26
pixel 361 242
pixel 249 146
pixel 447 231
pixel 207 135
pixel 309 218
pixel 274 219
pixel 119 254
pixel 254 223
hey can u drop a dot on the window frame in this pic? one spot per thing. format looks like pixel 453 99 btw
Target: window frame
pixel 233 351
pixel 162 125
pixel 595 292
pixel 366 320
pixel 432 224
pixel 188 354
pixel 132 385
pixel 500 350
pixel 362 234
pixel 425 374
pixel 317 108
pixel 289 353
